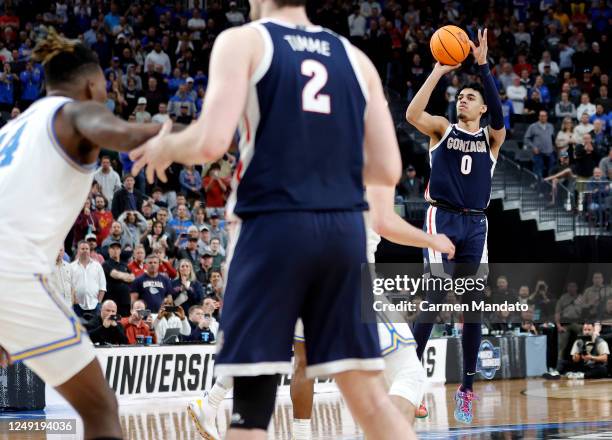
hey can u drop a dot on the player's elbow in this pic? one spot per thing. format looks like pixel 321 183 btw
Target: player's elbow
pixel 411 115
pixel 387 175
pixel 213 147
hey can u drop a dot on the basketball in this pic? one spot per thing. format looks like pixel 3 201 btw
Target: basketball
pixel 449 45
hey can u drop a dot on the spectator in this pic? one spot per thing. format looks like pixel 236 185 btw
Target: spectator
pixel 162 216
pixel 567 312
pixel 92 241
pixel 217 252
pixel 201 326
pixel 137 265
pixel 503 293
pixel 215 187
pixel 585 157
pixel 134 225
pixel 151 287
pixel 204 240
pixel 7 88
pixel 157 236
pixel 141 113
pixel 107 329
pixel 517 93
pixel 170 316
pixel 118 279
pixel 199 216
pixel 107 178
pixel 589 356
pixel 234 16
pixel 565 136
pixel 127 198
pixel 547 60
pixel 599 189
pixel 179 99
pixel 214 289
pixel 103 217
pixel 62 276
pixel 601 139
pixel 191 251
pixel 31 84
pixel 507 110
pixel 542 89
pixel 211 307
pixel 117 234
pixel 138 323
pixel 544 305
pixel 184 117
pixel 533 106
pixel 564 108
pixel 521 36
pixel 158 58
pixel 606 165
pixel 582 128
pixel 181 223
pixel 600 116
pixel 604 99
pixel 539 137
pixel 165 266
pixel 162 114
pixel 586 106
pixel 85 224
pixel 196 25
pixel 522 65
pixel 187 289
pixel 410 186
pixel 132 74
pixel 205 267
pixel 596 295
pixel 216 231
pixel 87 282
pixel 507 76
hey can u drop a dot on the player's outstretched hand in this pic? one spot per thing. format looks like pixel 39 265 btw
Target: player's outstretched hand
pixel 154 154
pixel 443 69
pixel 480 52
pixel 442 244
pixel 5 358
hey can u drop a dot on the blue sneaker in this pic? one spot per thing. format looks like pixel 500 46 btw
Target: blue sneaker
pixel 463 405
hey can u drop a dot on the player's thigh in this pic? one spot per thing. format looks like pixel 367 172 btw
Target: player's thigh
pixel 38 328
pixel 338 337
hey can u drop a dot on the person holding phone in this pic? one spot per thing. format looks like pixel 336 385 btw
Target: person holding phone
pixel 170 316
pixel 201 325
pixel 139 323
pixel 109 331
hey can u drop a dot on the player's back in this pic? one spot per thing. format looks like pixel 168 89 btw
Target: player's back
pixel 42 190
pixel 303 128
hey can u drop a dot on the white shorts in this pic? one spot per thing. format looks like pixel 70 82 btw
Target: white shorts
pixel 38 328
pixel 405 375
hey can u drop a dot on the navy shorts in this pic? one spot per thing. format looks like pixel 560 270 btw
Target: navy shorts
pixel 286 265
pixel 469 235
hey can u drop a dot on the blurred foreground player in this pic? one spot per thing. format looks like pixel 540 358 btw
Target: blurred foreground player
pixel 462 159
pixel 404 372
pixel 300 94
pixel 54 146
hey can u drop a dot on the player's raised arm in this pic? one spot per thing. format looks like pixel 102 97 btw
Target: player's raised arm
pixel 383 161
pixel 387 223
pixel 497 129
pixel 232 63
pixel 432 126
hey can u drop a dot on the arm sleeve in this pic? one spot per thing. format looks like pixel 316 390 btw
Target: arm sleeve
pixel 494 107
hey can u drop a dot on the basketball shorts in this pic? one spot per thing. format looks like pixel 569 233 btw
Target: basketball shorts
pixel 469 235
pixel 289 265
pixel 39 329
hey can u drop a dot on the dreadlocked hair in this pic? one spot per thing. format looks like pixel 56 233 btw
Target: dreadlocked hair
pixel 63 59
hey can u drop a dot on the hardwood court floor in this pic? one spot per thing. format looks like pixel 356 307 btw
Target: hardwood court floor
pixel 513 409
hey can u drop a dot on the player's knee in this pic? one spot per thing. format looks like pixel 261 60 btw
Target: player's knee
pixel 254 399
pixel 410 383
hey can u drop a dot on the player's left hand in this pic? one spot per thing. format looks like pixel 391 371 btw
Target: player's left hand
pixel 155 154
pixel 480 52
pixel 5 358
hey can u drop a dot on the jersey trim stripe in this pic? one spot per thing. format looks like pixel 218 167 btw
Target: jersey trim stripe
pixel 350 53
pixel 73 339
pixel 286 24
pixel 83 168
pixel 442 139
pixel 266 59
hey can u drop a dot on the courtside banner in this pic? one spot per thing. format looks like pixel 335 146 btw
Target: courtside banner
pixel 137 372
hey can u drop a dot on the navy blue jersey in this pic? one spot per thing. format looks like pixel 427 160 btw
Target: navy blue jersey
pixel 461 169
pixel 301 146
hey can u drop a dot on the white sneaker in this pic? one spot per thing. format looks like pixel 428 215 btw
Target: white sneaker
pixel 579 375
pixel 204 418
pixel 570 375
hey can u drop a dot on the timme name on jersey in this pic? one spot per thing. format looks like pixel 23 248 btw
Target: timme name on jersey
pixel 461 169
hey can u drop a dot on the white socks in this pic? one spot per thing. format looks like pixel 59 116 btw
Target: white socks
pixel 219 391
pixel 301 429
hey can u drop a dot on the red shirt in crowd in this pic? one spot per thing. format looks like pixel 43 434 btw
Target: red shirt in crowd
pixel 215 196
pixel 131 330
pixel 105 221
pixel 168 269
pixel 136 269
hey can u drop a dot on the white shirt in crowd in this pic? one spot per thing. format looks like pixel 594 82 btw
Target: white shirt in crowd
pixel 580 130
pixel 357 25
pixel 161 325
pixel 87 283
pixel 160 118
pixel 585 108
pixel 161 59
pixel 236 18
pixel 366 8
pixel 109 183
pixel 196 25
pixel 517 95
pixel 61 277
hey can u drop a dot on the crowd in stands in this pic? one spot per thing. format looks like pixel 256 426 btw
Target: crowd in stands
pixel 146 260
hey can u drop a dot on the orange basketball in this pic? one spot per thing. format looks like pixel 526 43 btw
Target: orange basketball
pixel 449 45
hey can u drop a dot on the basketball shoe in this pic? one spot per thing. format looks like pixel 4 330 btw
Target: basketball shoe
pixel 463 405
pixel 204 416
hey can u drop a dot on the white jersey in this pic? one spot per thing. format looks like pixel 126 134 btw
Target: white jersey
pixel 42 190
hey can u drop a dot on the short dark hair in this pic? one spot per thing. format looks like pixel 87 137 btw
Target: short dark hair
pixel 64 59
pixel 477 87
pixel 281 3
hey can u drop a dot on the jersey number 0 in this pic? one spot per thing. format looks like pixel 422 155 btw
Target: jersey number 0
pixel 312 100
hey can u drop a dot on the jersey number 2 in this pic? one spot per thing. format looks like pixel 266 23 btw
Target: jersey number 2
pixel 312 100
pixel 466 164
pixel 7 150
